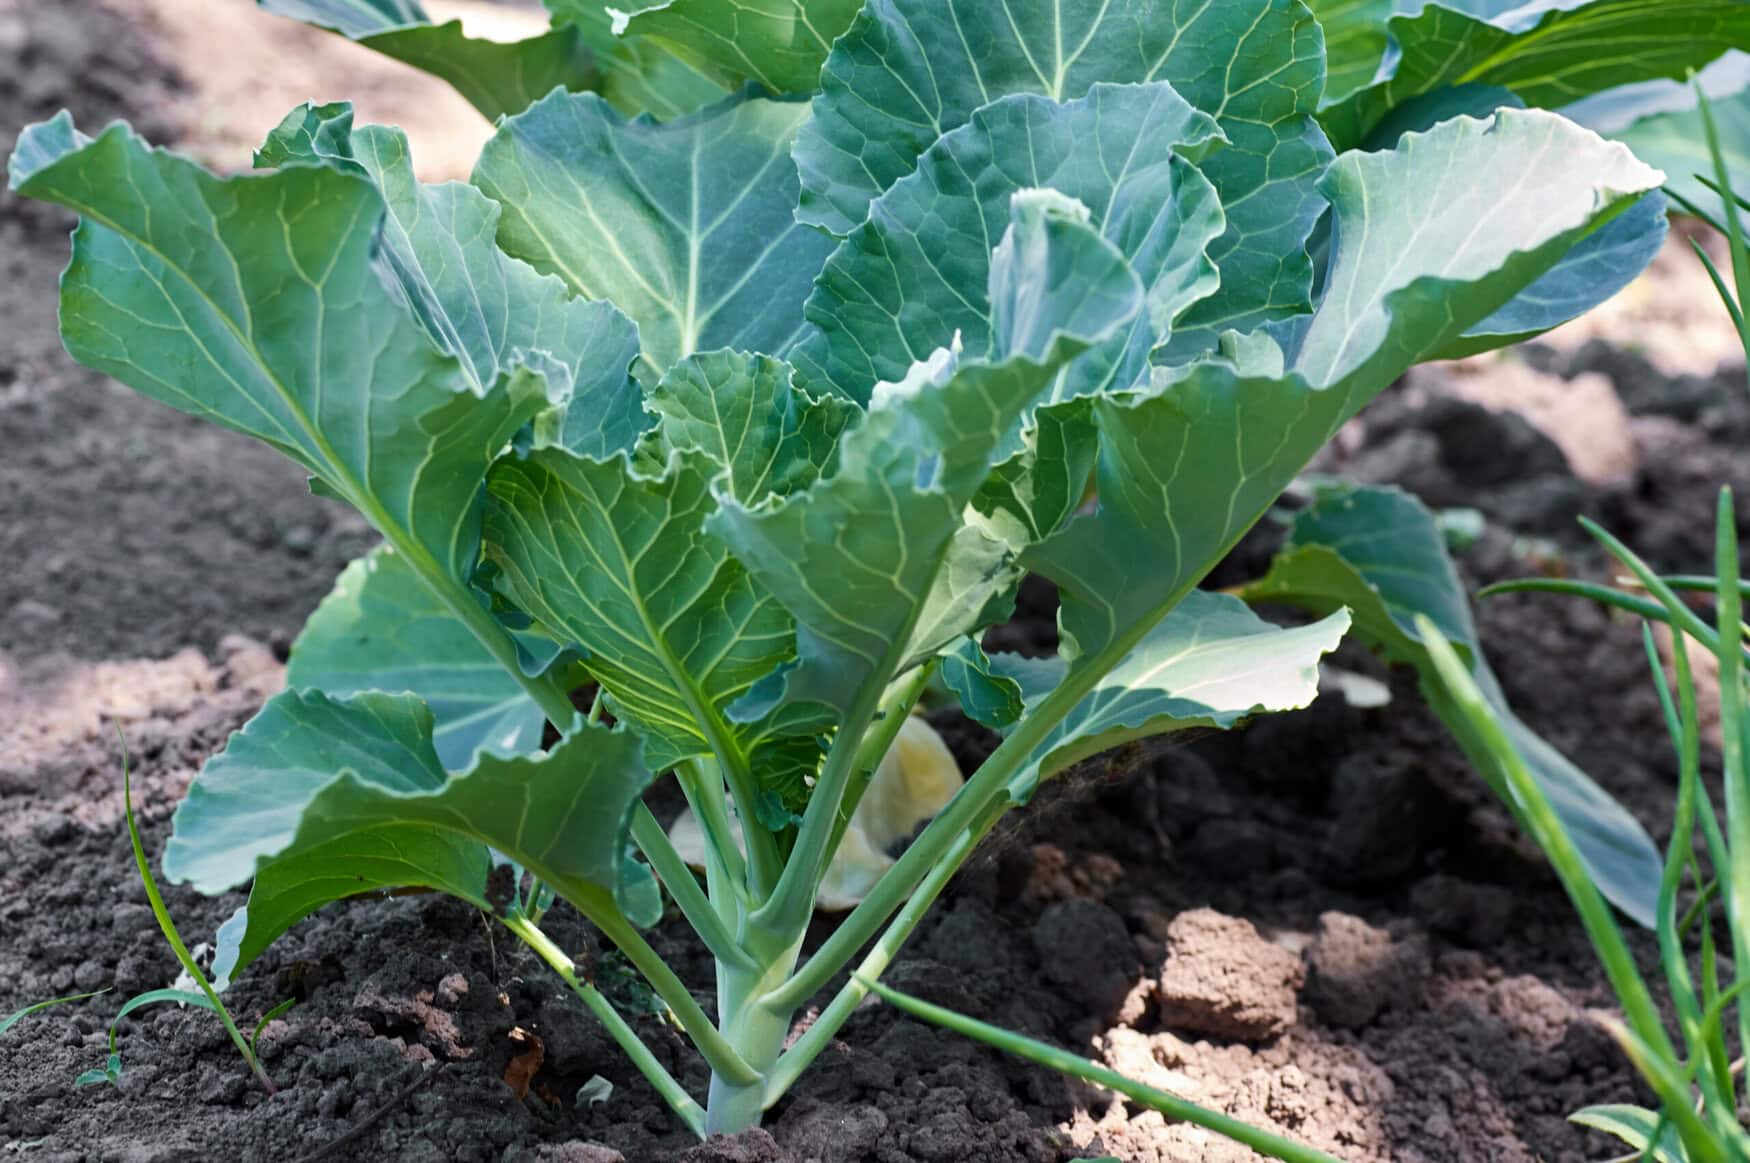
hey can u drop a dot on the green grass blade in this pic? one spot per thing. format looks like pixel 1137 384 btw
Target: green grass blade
pixel 1651 610
pixel 1263 1142
pixel 172 937
pixel 1694 210
pixel 1730 300
pixel 12 1019
pixel 1579 589
pixel 1539 819
pixel 1734 225
pixel 1677 859
pixel 270 1015
pixel 1646 1131
pixel 1736 774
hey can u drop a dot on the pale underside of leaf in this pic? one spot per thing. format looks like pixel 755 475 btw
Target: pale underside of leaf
pixel 497 78
pixel 1209 663
pixel 778 43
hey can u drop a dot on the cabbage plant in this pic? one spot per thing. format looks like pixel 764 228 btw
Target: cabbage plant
pixel 711 423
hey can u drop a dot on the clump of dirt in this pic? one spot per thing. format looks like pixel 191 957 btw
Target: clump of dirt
pixel 1222 979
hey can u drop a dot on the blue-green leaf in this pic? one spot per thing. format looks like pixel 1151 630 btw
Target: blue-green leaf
pixel 1380 553
pixel 877 562
pixel 489 310
pixel 320 798
pixel 687 226
pixel 1549 54
pixel 381 629
pixel 1428 239
pixel 987 697
pixel 905 282
pixel 259 302
pixel 909 71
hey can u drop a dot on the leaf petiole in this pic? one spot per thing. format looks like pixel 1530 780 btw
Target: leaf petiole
pixel 672 1092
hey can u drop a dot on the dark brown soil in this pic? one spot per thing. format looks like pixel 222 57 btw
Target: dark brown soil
pixel 1322 923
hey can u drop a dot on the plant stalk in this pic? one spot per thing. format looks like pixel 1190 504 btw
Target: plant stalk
pixel 684 889
pixel 987 786
pixel 717 1051
pixel 822 1030
pixel 758 1034
pixel 624 1036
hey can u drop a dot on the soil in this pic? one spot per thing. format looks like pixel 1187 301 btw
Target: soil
pixel 1322 924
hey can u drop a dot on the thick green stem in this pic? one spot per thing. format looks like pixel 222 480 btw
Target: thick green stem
pixel 758 1034
pixel 785 913
pixel 701 914
pixel 713 1046
pixel 821 1032
pixel 969 803
pixel 703 787
pixel 877 741
pixel 624 1036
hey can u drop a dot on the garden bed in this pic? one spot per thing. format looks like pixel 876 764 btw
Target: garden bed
pixel 1323 924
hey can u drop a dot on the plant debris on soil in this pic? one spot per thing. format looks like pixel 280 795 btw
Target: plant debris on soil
pixel 1323 924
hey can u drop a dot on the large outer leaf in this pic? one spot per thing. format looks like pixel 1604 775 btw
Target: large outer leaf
pixel 868 557
pixel 475 301
pixel 1547 53
pixel 908 71
pixel 497 78
pixel 257 302
pixel 381 629
pixel 686 226
pixel 320 798
pixel 902 284
pixel 778 43
pixel 1209 663
pixel 1600 265
pixel 1379 553
pixel 1428 238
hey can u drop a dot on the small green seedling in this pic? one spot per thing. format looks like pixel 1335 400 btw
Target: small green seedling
pixel 755 411
pixel 206 998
